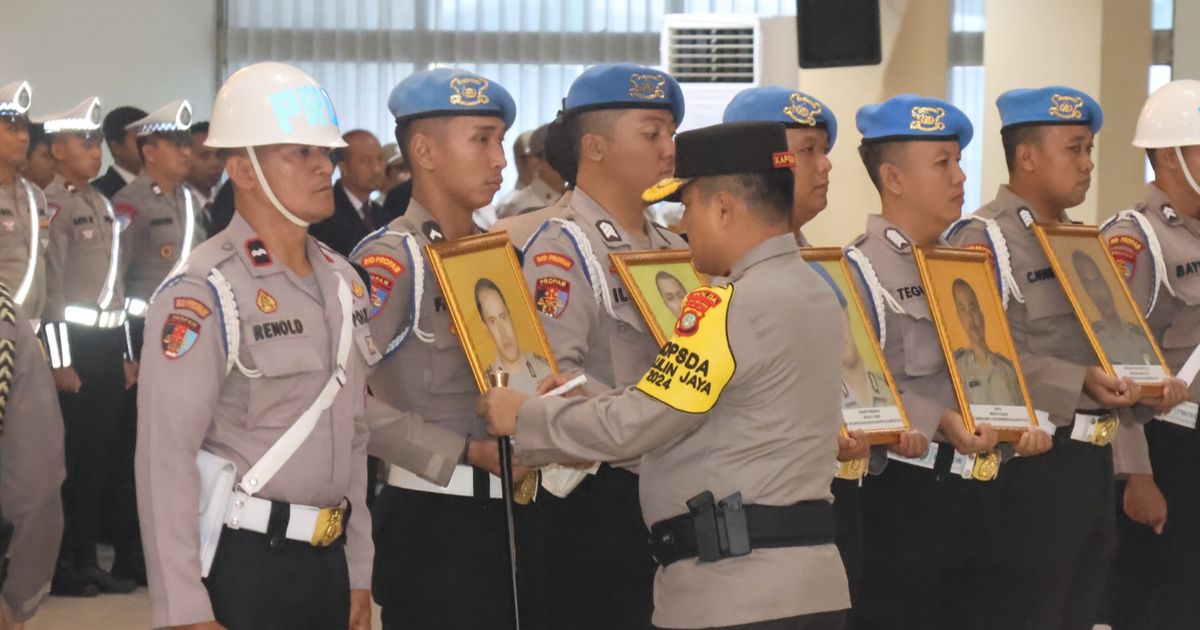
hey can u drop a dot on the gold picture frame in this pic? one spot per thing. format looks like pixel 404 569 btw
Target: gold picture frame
pixel 463 268
pixel 964 301
pixel 641 270
pixel 890 419
pixel 1120 325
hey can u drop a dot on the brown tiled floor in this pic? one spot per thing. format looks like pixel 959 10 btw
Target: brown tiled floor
pixel 104 612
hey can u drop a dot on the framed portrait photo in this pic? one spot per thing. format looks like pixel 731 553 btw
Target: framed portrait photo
pixel 658 282
pixel 972 328
pixel 870 402
pixel 1109 316
pixel 492 310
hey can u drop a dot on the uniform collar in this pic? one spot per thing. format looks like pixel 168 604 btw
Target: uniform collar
pixel 611 232
pixel 1010 201
pixel 886 231
pixel 253 251
pixel 1157 202
pixel 783 244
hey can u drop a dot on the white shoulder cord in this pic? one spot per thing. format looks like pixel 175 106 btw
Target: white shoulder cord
pixel 1156 253
pixel 106 295
pixel 879 295
pixel 233 328
pixel 265 468
pixel 418 263
pixel 1008 282
pixel 35 230
pixel 595 271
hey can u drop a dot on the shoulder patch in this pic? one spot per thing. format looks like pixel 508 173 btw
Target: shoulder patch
pixel 1026 217
pixel 1125 250
pixel 257 250
pixel 381 290
pixel 1169 214
pixel 981 247
pixel 608 231
pixel 551 296
pixel 179 335
pixel 553 258
pixel 692 369
pixel 895 238
pixel 125 211
pixel 392 265
pixel 52 210
pixel 192 304
pixel 432 231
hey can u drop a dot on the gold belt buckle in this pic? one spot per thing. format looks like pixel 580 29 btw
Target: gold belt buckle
pixel 1105 430
pixel 526 489
pixel 986 466
pixel 329 526
pixel 853 470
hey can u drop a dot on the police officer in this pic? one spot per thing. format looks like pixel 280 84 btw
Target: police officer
pixel 261 343
pixel 122 146
pixel 83 319
pixel 559 156
pixel 1056 569
pixel 31 464
pixel 23 221
pixel 704 431
pixel 914 510
pixel 545 184
pixel 39 165
pixel 1156 572
pixel 450 124
pixel 987 377
pixel 620 119
pixel 162 220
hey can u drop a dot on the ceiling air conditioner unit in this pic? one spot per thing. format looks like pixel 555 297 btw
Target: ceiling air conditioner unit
pixel 715 56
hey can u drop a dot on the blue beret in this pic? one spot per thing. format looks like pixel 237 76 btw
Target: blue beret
pixel 776 104
pixel 1053 105
pixel 450 92
pixel 912 117
pixel 624 86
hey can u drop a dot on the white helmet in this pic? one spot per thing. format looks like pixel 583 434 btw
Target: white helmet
pixel 272 103
pixel 1170 117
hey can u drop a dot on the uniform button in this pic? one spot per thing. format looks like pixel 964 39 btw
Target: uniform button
pixel 233 521
pixel 238 504
pixel 253 482
pixel 227 246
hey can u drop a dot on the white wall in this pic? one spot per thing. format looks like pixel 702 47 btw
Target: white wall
pixel 128 52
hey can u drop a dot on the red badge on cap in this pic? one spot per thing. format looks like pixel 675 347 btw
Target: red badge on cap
pixel 783 159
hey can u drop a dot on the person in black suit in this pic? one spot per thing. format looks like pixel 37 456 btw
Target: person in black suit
pixel 122 145
pixel 355 215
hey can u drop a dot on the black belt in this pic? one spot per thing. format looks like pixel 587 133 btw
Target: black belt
pixel 714 530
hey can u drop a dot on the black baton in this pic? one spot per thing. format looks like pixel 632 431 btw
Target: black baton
pixel 499 378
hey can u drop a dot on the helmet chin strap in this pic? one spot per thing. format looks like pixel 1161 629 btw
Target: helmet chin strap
pixel 1187 172
pixel 262 180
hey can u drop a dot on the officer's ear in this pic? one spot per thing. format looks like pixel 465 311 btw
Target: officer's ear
pixel 591 147
pixel 727 205
pixel 891 178
pixel 241 171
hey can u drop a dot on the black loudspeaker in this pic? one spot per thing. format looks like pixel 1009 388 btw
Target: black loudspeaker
pixel 833 33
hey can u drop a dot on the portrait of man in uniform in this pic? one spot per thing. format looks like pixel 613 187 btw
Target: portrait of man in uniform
pixel 968 313
pixel 1095 286
pixel 658 282
pixel 492 311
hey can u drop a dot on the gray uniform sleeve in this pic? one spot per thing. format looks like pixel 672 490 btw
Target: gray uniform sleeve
pixel 177 400
pixel 568 322
pixel 360 547
pixel 32 470
pixel 56 264
pixel 406 440
pixel 1055 385
pixel 386 260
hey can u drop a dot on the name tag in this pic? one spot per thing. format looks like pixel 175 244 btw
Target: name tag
pixel 927 461
pixel 1183 415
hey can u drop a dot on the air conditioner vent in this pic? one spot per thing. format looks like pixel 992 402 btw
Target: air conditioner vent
pixel 711 55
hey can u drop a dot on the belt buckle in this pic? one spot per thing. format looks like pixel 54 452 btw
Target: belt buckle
pixel 852 470
pixel 330 521
pixel 1104 430
pixel 986 466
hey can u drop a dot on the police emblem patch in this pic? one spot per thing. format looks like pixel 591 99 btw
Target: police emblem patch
pixel 469 91
pixel 266 302
pixel 166 250
pixel 1066 107
pixel 381 290
pixel 257 250
pixel 647 86
pixel 927 119
pixel 383 262
pixel 179 335
pixel 1124 250
pixel 193 305
pixel 357 289
pixel 694 307
pixel 802 109
pixel 552 258
pixel 551 296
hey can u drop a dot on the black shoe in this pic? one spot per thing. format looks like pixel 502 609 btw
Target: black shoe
pixel 69 582
pixel 106 582
pixel 129 572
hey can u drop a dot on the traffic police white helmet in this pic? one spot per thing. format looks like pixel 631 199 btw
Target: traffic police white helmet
pixel 272 103
pixel 1171 118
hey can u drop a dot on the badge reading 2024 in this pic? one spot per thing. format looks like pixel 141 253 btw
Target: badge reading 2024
pixel 692 369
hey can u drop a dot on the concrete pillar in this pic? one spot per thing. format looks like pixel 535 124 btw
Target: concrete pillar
pixel 1099 46
pixel 915 45
pixel 1186 53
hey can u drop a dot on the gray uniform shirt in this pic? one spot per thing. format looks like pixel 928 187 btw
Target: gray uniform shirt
pixel 32 469
pixel 784 329
pixel 16 228
pixel 994 384
pixel 154 239
pixel 187 402
pixel 522 227
pixel 912 350
pixel 574 293
pixel 79 255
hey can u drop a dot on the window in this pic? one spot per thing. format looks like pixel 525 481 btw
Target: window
pixel 360 49
pixel 966 89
